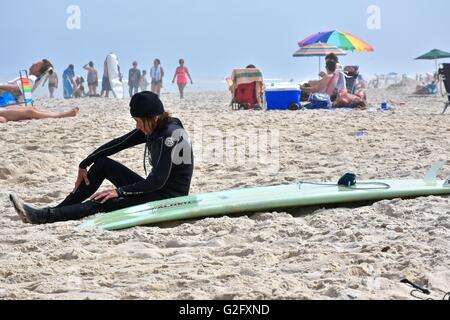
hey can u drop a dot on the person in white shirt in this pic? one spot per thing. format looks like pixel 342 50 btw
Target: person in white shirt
pixel 157 75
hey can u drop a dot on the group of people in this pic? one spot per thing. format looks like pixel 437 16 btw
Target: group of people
pixel 166 143
pixel 333 84
pixel 39 72
pixel 74 85
pixel 170 152
pixel 138 81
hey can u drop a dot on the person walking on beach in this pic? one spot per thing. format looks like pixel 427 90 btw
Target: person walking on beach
pixel 169 153
pixel 157 75
pixel 68 84
pixel 181 75
pixel 92 79
pixel 143 83
pixel 134 78
pixel 52 79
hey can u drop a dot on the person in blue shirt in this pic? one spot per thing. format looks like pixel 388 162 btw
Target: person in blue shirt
pixel 68 83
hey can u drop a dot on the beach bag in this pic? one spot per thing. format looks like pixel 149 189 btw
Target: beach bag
pixel 319 101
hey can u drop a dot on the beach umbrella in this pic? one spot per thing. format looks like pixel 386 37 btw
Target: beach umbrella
pixel 342 40
pixel 318 50
pixel 435 55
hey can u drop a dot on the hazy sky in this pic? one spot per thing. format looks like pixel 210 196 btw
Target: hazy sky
pixel 216 36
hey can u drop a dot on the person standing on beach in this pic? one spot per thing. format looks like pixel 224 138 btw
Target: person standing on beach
pixel 52 79
pixel 143 83
pixel 181 75
pixel 134 78
pixel 157 75
pixel 106 85
pixel 68 84
pixel 169 153
pixel 92 79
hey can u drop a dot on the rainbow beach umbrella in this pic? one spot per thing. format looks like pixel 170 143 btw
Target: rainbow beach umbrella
pixel 319 50
pixel 342 40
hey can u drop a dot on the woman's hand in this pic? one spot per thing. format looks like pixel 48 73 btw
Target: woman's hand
pixel 82 176
pixel 105 196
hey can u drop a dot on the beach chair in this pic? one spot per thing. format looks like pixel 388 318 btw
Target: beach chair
pixel 444 75
pixel 351 75
pixel 246 86
pixel 25 98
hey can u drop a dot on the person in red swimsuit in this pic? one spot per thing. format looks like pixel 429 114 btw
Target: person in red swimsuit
pixel 182 74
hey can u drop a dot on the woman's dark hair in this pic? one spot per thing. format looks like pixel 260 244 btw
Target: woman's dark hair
pixel 331 66
pixel 46 65
pixel 158 61
pixel 332 57
pixel 91 64
pixel 181 61
pixel 250 66
pixel 71 66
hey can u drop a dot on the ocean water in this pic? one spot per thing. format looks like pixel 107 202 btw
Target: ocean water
pixel 200 85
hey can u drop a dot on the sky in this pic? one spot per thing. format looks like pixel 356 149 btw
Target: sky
pixel 216 36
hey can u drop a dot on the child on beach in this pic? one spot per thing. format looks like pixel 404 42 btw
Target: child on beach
pixel 181 75
pixel 52 79
pixel 143 83
pixel 170 155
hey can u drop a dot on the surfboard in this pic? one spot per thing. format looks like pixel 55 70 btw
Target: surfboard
pixel 112 63
pixel 267 198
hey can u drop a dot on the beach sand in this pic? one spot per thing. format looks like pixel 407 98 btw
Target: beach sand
pixel 320 253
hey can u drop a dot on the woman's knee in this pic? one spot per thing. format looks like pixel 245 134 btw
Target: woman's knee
pixel 3 120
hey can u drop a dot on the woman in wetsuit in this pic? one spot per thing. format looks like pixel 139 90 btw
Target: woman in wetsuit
pixel 169 153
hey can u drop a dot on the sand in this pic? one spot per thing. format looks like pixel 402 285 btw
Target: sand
pixel 320 253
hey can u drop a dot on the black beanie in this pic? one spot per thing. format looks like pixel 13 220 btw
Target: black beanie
pixel 146 104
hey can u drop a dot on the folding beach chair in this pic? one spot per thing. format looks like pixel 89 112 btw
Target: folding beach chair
pixel 26 96
pixel 26 88
pixel 444 75
pixel 246 86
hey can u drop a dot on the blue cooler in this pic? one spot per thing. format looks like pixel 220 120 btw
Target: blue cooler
pixel 281 97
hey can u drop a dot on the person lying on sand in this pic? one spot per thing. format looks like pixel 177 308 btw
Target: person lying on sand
pixel 170 155
pixel 14 113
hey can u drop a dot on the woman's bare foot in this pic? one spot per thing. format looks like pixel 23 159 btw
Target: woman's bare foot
pixel 72 113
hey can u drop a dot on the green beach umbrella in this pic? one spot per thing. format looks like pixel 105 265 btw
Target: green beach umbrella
pixel 435 55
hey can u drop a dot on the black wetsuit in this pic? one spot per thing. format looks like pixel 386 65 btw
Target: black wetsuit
pixel 170 155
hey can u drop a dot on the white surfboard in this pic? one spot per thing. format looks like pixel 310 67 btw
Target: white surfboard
pixel 112 63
